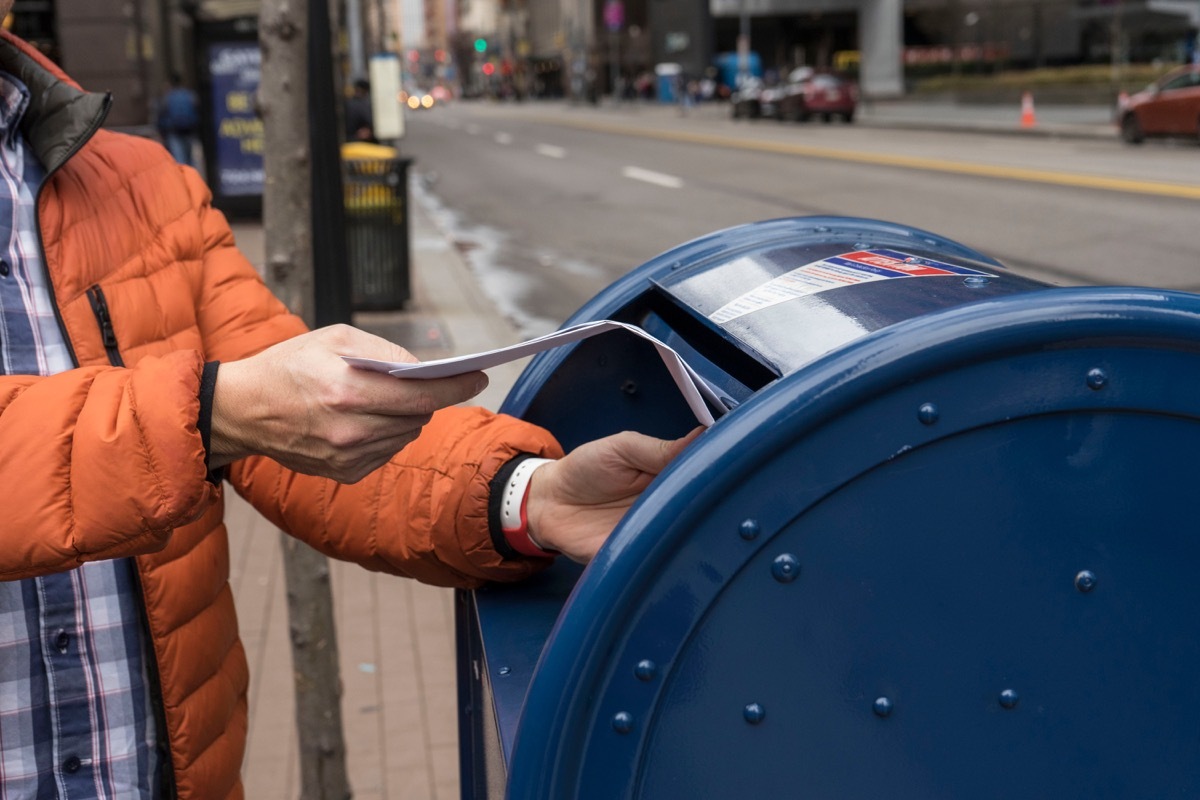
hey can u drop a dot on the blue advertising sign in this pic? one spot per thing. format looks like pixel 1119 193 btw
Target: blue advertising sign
pixel 236 69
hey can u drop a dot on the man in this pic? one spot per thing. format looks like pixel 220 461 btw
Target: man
pixel 179 119
pixel 360 123
pixel 142 359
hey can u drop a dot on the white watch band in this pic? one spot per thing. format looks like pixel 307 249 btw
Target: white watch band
pixel 513 496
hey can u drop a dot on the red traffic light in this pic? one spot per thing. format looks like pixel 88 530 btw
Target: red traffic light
pixel 488 68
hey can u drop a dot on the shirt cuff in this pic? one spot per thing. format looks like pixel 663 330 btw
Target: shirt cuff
pixel 208 387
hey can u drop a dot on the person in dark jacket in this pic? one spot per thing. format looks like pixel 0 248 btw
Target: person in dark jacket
pixel 179 120
pixel 360 124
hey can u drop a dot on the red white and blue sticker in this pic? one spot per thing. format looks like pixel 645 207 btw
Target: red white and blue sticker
pixel 836 272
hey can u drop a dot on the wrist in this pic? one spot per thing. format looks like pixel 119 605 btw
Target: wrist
pixel 226 431
pixel 514 510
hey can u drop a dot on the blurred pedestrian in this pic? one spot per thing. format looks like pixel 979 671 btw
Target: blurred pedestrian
pixel 360 122
pixel 143 363
pixel 179 120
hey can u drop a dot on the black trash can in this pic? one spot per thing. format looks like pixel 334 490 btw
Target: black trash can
pixel 376 193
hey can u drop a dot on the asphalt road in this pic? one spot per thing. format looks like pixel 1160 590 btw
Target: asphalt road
pixel 552 202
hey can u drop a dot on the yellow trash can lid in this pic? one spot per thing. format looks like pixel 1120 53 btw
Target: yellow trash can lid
pixel 353 151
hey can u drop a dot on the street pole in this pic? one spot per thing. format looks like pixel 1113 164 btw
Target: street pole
pixel 743 43
pixel 288 36
pixel 615 66
pixel 354 33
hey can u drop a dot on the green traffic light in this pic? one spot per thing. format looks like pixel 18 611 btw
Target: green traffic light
pixel 481 45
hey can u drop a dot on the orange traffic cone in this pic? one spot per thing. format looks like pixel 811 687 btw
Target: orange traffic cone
pixel 1028 120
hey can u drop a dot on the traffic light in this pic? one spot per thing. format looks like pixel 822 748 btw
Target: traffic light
pixel 488 68
pixel 481 45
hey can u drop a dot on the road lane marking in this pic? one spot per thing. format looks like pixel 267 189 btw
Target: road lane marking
pixel 649 176
pixel 1054 177
pixel 503 138
pixel 550 151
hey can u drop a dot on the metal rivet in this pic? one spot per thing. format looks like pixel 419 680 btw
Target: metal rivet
pixel 1097 378
pixel 975 281
pixel 622 722
pixel 882 706
pixel 505 670
pixel 928 413
pixel 645 670
pixel 748 529
pixel 629 387
pixel 754 713
pixel 785 568
pixel 1085 581
pixel 1009 698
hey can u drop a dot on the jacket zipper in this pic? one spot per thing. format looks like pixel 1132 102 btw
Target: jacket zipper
pixel 100 309
pixel 170 790
pixel 104 319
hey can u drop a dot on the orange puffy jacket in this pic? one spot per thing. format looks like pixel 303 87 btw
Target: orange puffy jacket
pixel 106 461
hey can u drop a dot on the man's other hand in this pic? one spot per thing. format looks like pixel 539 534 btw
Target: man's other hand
pixel 302 405
pixel 574 503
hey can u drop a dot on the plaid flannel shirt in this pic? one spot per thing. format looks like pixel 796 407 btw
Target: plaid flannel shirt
pixel 76 711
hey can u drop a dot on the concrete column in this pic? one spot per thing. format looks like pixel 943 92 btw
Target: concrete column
pixel 881 39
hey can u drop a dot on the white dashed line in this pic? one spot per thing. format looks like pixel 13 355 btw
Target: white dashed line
pixel 657 178
pixel 503 138
pixel 550 151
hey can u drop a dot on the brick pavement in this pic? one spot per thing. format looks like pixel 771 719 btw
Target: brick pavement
pixel 395 636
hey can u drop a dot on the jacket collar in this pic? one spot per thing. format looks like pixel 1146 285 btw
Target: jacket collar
pixel 61 116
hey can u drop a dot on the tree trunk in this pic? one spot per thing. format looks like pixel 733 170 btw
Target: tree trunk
pixel 287 213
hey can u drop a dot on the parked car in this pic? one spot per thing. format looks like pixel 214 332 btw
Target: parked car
pixel 746 100
pixel 1168 107
pixel 807 94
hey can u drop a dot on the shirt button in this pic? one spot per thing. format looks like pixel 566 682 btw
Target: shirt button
pixel 72 764
pixel 3 268
pixel 62 641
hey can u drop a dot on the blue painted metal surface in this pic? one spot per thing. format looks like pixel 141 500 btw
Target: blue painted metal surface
pixel 953 555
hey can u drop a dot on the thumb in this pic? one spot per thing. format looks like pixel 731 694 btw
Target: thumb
pixel 650 455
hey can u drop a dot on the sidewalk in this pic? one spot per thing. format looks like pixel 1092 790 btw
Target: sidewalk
pixel 395 636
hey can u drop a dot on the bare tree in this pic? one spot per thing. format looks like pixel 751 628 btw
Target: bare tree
pixel 287 216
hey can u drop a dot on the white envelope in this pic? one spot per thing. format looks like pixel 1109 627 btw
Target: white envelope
pixel 694 388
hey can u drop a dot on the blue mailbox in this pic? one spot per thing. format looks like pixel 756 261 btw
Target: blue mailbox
pixel 940 542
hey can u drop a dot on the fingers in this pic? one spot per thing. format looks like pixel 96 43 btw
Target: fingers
pixel 399 396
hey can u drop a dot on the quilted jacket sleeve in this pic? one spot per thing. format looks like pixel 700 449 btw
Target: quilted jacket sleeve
pixel 85 451
pixel 424 514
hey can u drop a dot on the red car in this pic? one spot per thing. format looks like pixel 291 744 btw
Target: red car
pixel 1168 107
pixel 822 94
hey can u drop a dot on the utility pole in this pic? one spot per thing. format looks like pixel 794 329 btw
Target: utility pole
pixel 1116 34
pixel 284 97
pixel 354 35
pixel 743 43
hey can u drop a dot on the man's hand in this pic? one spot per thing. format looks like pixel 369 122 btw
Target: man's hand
pixel 575 503
pixel 301 404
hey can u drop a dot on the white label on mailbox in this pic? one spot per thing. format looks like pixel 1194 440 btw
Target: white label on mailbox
pixel 847 269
